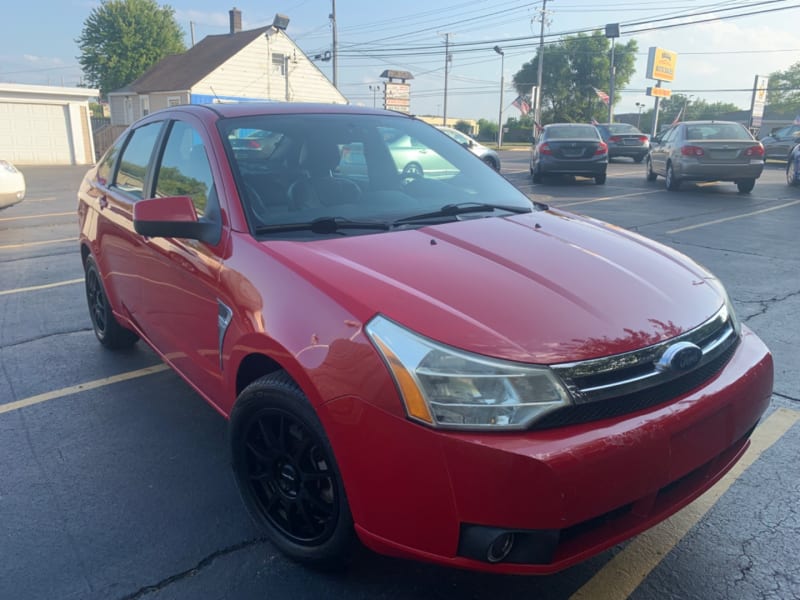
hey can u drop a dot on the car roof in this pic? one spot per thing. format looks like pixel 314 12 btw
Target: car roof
pixel 245 109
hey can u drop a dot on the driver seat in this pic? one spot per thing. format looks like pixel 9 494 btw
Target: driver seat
pixel 318 184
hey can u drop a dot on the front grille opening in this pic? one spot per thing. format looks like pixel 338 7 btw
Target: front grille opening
pixel 636 401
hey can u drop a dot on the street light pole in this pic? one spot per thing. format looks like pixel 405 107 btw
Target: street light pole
pixel 374 89
pixel 612 31
pixel 640 106
pixel 502 54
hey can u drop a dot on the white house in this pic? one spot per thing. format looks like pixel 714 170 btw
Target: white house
pixel 46 125
pixel 258 64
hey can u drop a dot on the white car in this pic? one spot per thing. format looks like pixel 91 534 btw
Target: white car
pixel 487 155
pixel 12 185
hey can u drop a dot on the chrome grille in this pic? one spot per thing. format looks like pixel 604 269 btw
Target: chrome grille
pixel 631 381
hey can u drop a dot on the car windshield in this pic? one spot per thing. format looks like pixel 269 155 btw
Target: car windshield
pixel 555 132
pixel 622 128
pixel 356 169
pixel 717 131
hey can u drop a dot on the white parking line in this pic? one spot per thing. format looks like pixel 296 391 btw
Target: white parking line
pixel 607 198
pixel 620 577
pixel 733 218
pixel 35 288
pixel 81 387
pixel 45 243
pixel 61 214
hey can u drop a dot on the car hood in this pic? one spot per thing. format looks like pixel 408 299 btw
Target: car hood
pixel 544 287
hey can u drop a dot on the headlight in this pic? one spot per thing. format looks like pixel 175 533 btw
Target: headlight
pixel 449 388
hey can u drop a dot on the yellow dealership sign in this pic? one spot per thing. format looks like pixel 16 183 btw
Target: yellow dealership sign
pixel 659 92
pixel 661 64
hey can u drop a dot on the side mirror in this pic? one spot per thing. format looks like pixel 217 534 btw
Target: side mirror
pixel 173 216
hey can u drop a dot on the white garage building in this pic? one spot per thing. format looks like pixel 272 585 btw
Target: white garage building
pixel 46 125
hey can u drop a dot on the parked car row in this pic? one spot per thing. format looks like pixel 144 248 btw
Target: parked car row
pixel 686 151
pixel 428 362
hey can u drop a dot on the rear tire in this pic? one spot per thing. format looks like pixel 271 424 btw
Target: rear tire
pixel 492 163
pixel 673 183
pixel 536 175
pixel 287 473
pixel 746 185
pixel 791 171
pixel 600 179
pixel 106 328
pixel 638 159
pixel 650 174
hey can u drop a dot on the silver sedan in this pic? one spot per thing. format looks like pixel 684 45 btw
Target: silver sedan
pixel 706 151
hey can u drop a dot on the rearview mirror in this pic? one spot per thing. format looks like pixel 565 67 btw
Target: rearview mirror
pixel 173 216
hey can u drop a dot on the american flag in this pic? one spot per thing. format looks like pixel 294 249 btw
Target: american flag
pixel 523 104
pixel 602 95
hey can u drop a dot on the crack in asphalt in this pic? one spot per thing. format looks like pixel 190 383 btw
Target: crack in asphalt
pixel 205 562
pixel 44 337
pixel 766 304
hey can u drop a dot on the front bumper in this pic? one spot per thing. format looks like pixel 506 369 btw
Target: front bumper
pixel 574 491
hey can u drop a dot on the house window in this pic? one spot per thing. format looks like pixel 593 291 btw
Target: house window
pixel 279 64
pixel 173 100
pixel 144 104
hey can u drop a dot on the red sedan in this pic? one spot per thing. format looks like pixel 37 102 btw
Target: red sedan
pixel 437 367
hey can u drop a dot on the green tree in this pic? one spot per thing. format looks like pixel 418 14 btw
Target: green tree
pixel 463 127
pixel 571 69
pixel 121 39
pixel 783 93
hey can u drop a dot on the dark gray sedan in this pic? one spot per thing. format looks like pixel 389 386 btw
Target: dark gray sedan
pixel 706 151
pixel 569 148
pixel 624 139
pixel 780 142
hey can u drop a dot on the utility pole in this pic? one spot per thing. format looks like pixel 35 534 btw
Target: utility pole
pixel 335 45
pixel 446 70
pixel 502 54
pixel 537 110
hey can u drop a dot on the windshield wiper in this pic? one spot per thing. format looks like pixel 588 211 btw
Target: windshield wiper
pixel 324 225
pixel 452 210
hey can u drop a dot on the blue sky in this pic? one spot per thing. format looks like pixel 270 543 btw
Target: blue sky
pixel 37 42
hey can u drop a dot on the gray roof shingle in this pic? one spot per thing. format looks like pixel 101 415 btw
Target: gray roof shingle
pixel 182 71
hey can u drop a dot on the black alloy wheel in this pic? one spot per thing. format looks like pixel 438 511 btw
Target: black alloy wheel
pixel 287 474
pixel 106 328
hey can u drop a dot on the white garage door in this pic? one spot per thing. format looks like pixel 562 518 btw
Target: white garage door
pixel 35 134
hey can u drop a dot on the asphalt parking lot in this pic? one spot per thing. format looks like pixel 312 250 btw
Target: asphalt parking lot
pixel 115 482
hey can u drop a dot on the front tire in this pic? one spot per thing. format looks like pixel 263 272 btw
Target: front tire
pixel 673 183
pixel 106 328
pixel 746 186
pixel 287 474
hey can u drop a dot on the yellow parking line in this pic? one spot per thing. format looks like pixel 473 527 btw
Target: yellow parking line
pixel 742 216
pixel 34 288
pixel 46 243
pixel 81 387
pixel 607 198
pixel 61 214
pixel 619 578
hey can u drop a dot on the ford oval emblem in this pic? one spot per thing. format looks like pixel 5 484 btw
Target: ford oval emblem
pixel 680 357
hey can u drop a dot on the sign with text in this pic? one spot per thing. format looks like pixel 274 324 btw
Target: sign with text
pixel 397 96
pixel 759 100
pixel 661 64
pixel 659 92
